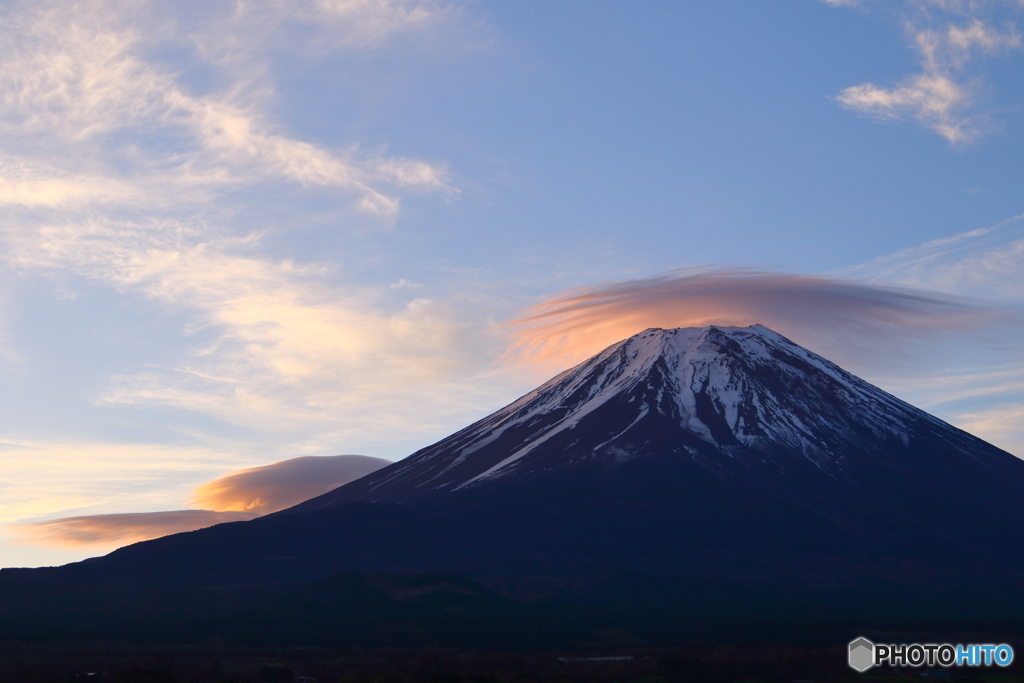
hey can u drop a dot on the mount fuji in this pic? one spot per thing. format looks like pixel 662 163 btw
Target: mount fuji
pixel 692 462
pixel 738 403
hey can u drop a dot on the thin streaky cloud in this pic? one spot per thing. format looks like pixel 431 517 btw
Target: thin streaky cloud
pixel 1005 379
pixel 985 401
pixel 120 529
pixel 984 262
pixel 963 39
pixel 374 20
pixel 999 424
pixel 236 36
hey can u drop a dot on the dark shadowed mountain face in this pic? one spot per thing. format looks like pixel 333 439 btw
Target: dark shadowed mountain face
pixel 702 455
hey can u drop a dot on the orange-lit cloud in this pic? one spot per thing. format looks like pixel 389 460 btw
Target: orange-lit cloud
pixel 121 529
pixel 845 320
pixel 238 496
pixel 282 484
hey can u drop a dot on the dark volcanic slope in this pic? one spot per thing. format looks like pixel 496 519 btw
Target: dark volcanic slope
pixel 713 453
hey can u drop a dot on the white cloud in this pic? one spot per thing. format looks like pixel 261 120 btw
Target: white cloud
pixel 374 19
pixel 365 23
pixel 933 99
pixel 948 37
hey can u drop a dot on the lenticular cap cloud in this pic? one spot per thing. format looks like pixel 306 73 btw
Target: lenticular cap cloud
pixel 844 319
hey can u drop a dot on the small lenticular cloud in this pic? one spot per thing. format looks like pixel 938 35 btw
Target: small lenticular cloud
pixel 238 496
pixel 283 484
pixel 842 319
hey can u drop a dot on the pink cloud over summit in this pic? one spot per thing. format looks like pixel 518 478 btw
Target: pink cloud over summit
pixel 843 316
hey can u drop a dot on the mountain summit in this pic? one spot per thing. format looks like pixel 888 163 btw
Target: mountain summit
pixel 739 402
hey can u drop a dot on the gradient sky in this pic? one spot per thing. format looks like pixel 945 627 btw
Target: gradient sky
pixel 238 232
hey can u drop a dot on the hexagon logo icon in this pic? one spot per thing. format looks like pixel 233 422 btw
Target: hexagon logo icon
pixel 862 654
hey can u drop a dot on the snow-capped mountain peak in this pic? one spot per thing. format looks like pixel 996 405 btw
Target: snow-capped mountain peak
pixel 727 398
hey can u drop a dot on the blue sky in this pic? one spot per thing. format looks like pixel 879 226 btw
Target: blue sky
pixel 239 232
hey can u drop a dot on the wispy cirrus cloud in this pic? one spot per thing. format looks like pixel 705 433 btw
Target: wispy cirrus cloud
pixel 278 345
pixel 984 395
pixel 985 262
pixel 32 185
pixel 949 37
pixel 238 35
pixel 78 94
